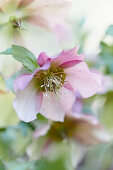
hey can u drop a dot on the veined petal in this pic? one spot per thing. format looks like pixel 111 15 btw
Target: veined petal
pixel 22 81
pixel 51 107
pixel 67 98
pixel 83 80
pixel 27 103
pixel 54 107
pixel 68 58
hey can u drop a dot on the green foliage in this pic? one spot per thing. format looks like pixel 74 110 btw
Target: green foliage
pixel 98 158
pixel 106 115
pixel 106 56
pixel 24 56
pixel 42 164
pixel 14 141
pixel 2 166
pixel 51 165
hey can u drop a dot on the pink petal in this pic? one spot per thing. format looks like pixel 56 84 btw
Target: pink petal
pixel 54 107
pixel 91 119
pixel 64 32
pixel 68 58
pixel 27 103
pixel 77 106
pixel 67 98
pixel 48 13
pixel 41 131
pixel 22 81
pixel 51 108
pixel 25 2
pixel 83 80
pixel 68 86
pixel 42 59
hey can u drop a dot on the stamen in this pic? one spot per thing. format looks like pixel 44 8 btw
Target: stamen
pixel 50 80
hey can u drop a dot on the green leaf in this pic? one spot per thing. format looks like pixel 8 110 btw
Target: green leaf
pixel 106 56
pixel 14 141
pixel 51 165
pixel 24 56
pixel 106 116
pixel 42 164
pixel 2 167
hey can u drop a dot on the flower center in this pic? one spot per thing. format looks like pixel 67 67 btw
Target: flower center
pixel 50 80
pixel 16 23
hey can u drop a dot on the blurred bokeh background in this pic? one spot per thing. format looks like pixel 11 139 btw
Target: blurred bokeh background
pixel 90 26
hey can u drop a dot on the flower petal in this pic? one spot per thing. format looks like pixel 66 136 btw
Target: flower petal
pixel 54 107
pixel 87 129
pixel 22 81
pixel 42 59
pixel 48 13
pixel 83 80
pixel 67 98
pixel 27 103
pixel 68 58
pixel 25 2
pixel 51 107
pixel 9 6
pixel 41 131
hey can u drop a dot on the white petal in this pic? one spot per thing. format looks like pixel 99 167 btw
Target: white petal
pixel 27 103
pixel 67 98
pixel 51 108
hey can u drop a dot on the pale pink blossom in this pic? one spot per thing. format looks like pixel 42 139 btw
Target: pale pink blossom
pixel 76 127
pixel 43 13
pixel 50 90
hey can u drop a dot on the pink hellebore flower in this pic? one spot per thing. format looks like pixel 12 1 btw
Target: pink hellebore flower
pixel 50 90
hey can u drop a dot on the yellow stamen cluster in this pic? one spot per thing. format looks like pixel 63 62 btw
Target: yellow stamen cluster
pixel 50 80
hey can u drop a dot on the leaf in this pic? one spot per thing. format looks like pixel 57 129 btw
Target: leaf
pixel 41 164
pixel 106 115
pixel 14 141
pixel 2 167
pixel 106 56
pixel 22 55
pixel 51 165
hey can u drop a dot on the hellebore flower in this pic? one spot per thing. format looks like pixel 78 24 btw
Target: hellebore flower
pixel 84 129
pixel 44 13
pixel 50 90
